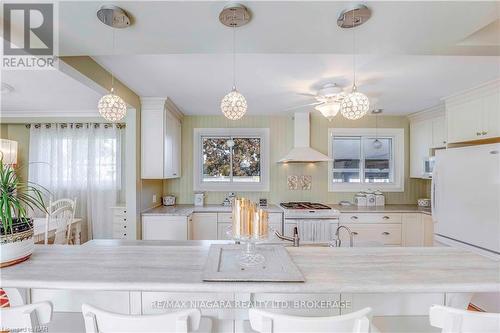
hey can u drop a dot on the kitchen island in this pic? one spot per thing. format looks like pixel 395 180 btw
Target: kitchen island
pixel 178 267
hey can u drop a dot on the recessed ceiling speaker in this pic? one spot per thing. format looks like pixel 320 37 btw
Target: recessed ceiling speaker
pixel 113 16
pixel 354 16
pixel 234 15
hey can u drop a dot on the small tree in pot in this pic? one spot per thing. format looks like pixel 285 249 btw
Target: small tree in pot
pixel 16 229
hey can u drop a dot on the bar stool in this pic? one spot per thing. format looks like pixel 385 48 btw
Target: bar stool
pixel 26 318
pixel 452 320
pixel 97 320
pixel 267 322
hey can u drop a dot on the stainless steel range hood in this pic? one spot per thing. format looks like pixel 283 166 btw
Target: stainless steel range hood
pixel 302 152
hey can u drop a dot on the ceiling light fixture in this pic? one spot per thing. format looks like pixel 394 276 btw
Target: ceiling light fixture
pixel 234 105
pixel 356 104
pixel 111 106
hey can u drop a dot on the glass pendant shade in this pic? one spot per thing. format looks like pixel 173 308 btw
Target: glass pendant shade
pixel 355 105
pixel 377 144
pixel 112 107
pixel 233 105
pixel 329 110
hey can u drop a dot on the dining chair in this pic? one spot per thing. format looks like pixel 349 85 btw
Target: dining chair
pixel 268 322
pixel 63 212
pixel 98 320
pixel 26 318
pixel 451 320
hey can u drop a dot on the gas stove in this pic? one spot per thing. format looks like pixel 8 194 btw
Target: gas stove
pixel 308 210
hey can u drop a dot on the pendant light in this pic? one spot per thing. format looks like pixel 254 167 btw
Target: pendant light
pixel 377 144
pixel 356 104
pixel 234 105
pixel 111 106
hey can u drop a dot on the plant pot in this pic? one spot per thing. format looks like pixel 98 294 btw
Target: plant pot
pixel 18 246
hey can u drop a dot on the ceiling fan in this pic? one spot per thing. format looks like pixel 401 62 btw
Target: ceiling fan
pixel 328 100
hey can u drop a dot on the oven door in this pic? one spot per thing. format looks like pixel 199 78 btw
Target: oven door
pixel 312 230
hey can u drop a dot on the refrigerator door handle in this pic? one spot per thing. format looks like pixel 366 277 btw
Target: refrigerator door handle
pixel 434 209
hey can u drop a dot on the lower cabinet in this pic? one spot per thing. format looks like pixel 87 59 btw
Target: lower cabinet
pixel 384 234
pixel 203 226
pixel 161 227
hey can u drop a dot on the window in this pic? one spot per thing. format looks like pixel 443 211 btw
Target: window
pixel 358 163
pixel 231 159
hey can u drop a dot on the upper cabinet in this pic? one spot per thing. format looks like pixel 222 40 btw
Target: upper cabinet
pixel 474 114
pixel 160 139
pixel 427 131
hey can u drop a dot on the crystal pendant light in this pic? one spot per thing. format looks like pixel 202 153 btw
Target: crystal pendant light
pixel 355 105
pixel 111 106
pixel 234 105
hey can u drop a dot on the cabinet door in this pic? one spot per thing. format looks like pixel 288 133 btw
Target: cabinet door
pixel 170 130
pixel 428 229
pixel 491 116
pixel 204 226
pixel 152 144
pixel 439 132
pixel 164 228
pixel 222 230
pixel 464 121
pixel 385 234
pixel 413 230
pixel 420 143
pixel 176 149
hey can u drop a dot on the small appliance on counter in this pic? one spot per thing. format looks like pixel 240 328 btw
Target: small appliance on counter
pixel 360 199
pixel 370 198
pixel 168 200
pixel 199 199
pixel 424 202
pixel 379 198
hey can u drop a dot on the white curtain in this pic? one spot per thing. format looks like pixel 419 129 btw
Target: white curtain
pixel 81 161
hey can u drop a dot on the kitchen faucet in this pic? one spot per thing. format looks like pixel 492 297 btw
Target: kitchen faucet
pixel 338 242
pixel 295 239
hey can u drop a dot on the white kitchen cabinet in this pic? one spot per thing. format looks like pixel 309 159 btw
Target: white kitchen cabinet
pixel 222 230
pixel 474 114
pixel 224 221
pixel 162 227
pixel 160 139
pixel 428 229
pixel 427 131
pixel 204 226
pixel 413 230
pixel 120 224
pixel 384 233
pixel 346 218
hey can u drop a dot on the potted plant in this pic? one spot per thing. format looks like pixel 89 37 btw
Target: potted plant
pixel 16 229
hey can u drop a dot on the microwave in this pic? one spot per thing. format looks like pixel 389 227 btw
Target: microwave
pixel 428 167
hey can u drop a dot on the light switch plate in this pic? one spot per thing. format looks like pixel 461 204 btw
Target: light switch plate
pixel 154 198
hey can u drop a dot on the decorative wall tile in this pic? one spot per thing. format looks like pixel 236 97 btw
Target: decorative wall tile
pixel 300 182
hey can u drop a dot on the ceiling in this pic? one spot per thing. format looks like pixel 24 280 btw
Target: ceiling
pixel 411 54
pixel 46 93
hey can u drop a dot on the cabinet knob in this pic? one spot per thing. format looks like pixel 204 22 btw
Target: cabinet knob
pixel 174 174
pixel 354 233
pixel 354 217
pixel 386 217
pixel 444 142
pixel 385 233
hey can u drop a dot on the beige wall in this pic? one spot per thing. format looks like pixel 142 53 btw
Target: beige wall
pixel 19 133
pixel 281 141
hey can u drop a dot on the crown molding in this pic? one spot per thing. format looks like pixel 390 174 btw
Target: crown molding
pixel 429 113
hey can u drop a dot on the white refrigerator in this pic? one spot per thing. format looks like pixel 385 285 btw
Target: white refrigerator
pixel 466 205
pixel 466 198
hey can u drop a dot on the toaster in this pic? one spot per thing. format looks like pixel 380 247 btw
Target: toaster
pixel 168 200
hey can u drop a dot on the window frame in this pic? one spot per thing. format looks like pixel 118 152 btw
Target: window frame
pixel 398 142
pixel 200 185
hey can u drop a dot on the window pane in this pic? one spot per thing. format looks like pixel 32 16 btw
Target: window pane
pixel 346 159
pixel 378 158
pixel 216 160
pixel 246 160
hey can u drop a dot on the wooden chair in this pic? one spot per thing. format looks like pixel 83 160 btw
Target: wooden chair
pixel 97 320
pixel 26 318
pixel 63 212
pixel 452 320
pixel 267 322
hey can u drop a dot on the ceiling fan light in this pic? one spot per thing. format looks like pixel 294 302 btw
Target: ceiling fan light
pixel 234 105
pixel 355 105
pixel 112 107
pixel 328 110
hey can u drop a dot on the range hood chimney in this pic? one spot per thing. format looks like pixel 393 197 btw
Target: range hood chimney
pixel 302 152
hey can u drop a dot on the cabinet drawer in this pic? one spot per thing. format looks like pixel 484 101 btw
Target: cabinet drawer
pixel 224 217
pixel 370 218
pixel 387 234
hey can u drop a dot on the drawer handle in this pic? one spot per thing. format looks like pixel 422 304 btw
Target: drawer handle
pixel 124 219
pixel 385 233
pixel 354 217
pixel 125 227
pixel 386 217
pixel 354 233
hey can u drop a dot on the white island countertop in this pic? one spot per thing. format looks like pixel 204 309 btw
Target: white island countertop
pixel 174 266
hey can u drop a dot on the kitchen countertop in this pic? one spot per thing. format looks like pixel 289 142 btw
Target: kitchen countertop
pixel 159 266
pixel 186 210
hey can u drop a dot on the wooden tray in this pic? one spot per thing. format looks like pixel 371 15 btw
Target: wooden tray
pixel 222 265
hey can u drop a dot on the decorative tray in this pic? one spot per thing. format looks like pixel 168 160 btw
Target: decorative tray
pixel 223 265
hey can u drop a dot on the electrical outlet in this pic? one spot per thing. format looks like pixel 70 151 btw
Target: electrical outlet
pixel 154 198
